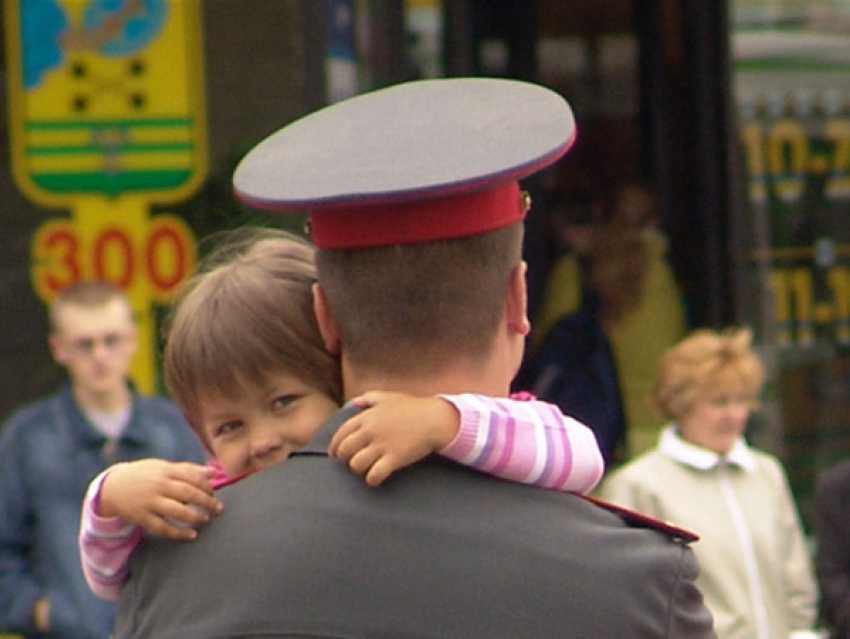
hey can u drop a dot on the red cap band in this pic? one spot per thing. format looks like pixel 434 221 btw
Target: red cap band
pixel 417 220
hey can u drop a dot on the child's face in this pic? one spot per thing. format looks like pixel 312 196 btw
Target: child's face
pixel 265 425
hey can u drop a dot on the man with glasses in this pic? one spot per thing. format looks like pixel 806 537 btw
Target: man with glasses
pixel 51 450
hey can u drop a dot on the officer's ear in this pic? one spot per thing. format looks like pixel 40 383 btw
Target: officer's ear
pixel 327 325
pixel 517 305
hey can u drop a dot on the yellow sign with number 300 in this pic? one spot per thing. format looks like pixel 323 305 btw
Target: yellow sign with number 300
pixel 107 117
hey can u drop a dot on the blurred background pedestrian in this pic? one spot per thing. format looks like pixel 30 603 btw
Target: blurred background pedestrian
pixel 51 449
pixel 756 572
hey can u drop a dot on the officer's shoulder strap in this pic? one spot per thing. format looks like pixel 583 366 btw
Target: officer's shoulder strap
pixel 641 520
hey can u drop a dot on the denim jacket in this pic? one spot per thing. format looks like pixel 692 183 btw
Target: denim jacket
pixel 49 452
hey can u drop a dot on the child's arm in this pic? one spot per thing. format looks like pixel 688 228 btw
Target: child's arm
pixel 525 441
pixel 106 544
pixel 164 497
pixel 530 442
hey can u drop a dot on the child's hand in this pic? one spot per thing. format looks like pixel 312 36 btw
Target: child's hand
pixel 394 431
pixel 165 497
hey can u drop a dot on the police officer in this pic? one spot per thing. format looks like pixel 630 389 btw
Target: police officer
pixel 416 210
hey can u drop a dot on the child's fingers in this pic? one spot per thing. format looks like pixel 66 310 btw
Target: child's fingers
pixel 379 471
pixel 174 520
pixel 369 398
pixel 364 459
pixel 345 431
pixel 194 497
pixel 173 529
pixel 350 444
pixel 197 475
pixel 186 514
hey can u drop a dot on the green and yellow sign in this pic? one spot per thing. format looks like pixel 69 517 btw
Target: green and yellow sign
pixel 107 118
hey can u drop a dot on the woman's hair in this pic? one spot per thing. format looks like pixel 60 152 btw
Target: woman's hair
pixel 245 316
pixel 702 361
pixel 418 306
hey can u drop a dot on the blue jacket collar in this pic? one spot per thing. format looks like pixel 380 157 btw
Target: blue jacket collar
pixel 68 405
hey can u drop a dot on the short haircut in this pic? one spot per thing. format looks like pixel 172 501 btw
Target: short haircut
pixel 89 294
pixel 406 309
pixel 246 316
pixel 702 361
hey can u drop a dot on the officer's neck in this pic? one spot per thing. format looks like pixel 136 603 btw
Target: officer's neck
pixel 449 380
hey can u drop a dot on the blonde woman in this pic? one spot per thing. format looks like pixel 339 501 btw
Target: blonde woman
pixel 756 573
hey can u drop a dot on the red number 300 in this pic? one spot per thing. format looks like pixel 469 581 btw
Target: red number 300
pixel 158 257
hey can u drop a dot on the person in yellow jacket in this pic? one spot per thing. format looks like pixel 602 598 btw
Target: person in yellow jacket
pixel 624 259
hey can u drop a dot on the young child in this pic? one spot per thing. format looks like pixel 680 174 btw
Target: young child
pixel 245 362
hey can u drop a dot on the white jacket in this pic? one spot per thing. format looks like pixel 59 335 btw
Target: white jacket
pixel 756 574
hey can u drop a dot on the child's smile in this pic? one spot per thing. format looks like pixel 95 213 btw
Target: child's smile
pixel 262 426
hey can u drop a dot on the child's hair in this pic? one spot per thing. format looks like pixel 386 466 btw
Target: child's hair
pixel 696 365
pixel 420 305
pixel 88 294
pixel 245 316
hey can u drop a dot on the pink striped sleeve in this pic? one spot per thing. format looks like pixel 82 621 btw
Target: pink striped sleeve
pixel 106 544
pixel 528 441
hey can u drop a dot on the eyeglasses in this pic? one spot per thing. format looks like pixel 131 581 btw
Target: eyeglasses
pixel 88 345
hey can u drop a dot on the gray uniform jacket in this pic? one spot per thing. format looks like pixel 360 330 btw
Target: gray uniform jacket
pixel 307 549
